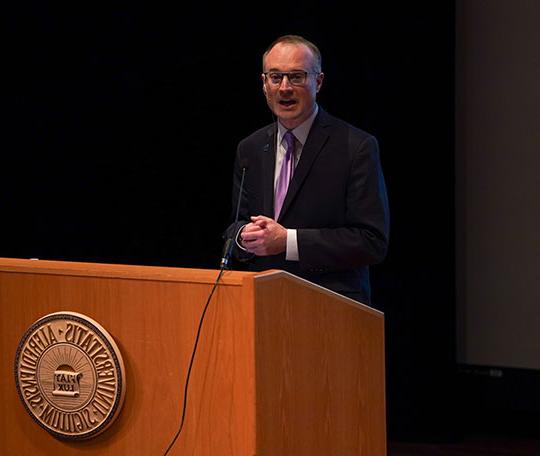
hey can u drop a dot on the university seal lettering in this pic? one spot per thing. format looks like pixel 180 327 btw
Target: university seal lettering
pixel 70 375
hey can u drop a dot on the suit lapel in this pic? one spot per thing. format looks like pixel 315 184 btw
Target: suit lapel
pixel 268 166
pixel 315 141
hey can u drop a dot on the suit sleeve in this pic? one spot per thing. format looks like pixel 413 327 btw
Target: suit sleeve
pixel 363 238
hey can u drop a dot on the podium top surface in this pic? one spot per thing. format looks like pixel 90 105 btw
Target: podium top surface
pixel 158 273
pixel 121 271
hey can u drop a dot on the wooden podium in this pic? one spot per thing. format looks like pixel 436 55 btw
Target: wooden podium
pixel 283 367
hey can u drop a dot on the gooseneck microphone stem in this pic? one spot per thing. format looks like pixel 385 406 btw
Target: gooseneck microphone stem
pixel 229 243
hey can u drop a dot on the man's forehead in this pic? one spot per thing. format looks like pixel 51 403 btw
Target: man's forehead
pixel 289 54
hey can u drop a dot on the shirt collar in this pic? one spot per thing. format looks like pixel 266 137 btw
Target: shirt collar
pixel 301 132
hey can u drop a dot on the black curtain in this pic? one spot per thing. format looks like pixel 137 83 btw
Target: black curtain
pixel 121 128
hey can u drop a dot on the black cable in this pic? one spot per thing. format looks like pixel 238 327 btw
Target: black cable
pixel 191 363
pixel 224 265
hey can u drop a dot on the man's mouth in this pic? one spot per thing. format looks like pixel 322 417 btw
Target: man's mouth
pixel 287 103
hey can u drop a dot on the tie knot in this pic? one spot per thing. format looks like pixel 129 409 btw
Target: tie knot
pixel 289 138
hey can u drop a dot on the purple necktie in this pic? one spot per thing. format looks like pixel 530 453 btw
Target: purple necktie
pixel 285 174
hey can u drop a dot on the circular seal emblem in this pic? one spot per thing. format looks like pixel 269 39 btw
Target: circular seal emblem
pixel 70 375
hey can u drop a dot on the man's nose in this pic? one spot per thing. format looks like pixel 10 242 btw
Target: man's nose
pixel 285 84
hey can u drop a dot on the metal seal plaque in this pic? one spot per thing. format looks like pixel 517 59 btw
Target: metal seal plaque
pixel 70 375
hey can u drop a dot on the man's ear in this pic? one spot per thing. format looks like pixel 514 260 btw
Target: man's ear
pixel 265 90
pixel 320 78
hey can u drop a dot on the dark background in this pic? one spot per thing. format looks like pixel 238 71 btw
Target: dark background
pixel 121 129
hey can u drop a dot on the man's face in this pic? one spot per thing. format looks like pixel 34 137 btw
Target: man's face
pixel 291 103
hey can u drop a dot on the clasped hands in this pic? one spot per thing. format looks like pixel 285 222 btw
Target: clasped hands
pixel 264 236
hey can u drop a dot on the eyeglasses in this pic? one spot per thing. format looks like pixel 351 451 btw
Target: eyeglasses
pixel 296 78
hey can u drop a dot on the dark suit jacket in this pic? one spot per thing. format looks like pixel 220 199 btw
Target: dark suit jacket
pixel 336 201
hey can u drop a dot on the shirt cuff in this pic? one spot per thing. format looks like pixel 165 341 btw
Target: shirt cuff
pixel 291 254
pixel 237 238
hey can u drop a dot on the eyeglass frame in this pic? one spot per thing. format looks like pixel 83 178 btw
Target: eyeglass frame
pixel 282 74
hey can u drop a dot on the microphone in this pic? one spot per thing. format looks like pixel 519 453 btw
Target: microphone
pixel 229 243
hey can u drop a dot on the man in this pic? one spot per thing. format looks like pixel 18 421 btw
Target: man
pixel 314 203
